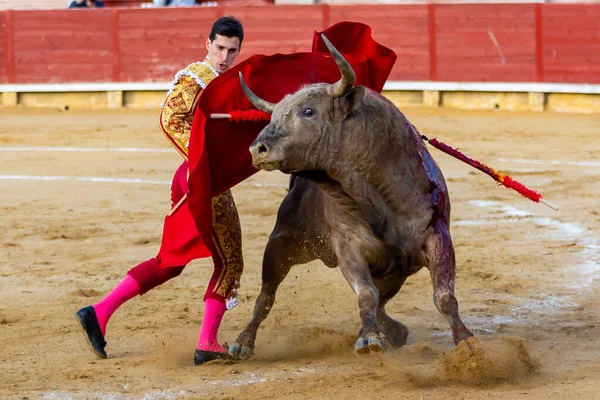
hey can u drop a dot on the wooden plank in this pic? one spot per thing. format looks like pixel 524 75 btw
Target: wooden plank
pixel 571 43
pixel 62 46
pixel 116 49
pixel 433 67
pixel 10 47
pixel 493 42
pixel 325 11
pixel 53 73
pixel 539 44
pixel 404 29
pixel 4 54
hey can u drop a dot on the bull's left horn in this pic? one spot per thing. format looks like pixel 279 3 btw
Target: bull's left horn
pixel 259 103
pixel 348 79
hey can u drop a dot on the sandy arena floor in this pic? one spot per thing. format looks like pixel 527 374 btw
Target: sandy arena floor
pixel 527 275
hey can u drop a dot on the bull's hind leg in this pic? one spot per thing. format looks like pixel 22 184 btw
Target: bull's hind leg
pixel 442 267
pixel 281 254
pixel 396 333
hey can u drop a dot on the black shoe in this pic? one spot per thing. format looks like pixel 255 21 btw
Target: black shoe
pixel 203 356
pixel 89 322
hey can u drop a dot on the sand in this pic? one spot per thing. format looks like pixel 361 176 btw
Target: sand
pixel 527 276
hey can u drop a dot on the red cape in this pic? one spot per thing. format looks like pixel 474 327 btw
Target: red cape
pixel 218 151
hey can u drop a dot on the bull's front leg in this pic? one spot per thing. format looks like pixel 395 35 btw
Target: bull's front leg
pixel 356 271
pixel 442 267
pixel 282 252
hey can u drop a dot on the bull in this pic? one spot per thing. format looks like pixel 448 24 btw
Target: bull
pixel 364 195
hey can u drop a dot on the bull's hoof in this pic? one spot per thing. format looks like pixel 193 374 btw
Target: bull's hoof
pixel 372 343
pixel 240 352
pixel 362 346
pixel 375 343
pixel 398 336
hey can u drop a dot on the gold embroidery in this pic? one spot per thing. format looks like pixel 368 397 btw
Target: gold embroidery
pixel 178 111
pixel 227 240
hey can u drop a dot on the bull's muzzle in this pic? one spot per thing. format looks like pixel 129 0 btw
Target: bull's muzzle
pixel 260 152
pixel 266 155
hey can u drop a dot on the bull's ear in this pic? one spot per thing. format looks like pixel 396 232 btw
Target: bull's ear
pixel 353 99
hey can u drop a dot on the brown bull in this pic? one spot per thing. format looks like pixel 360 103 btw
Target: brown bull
pixel 365 195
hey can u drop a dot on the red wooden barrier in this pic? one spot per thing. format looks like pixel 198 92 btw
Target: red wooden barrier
pixel 452 42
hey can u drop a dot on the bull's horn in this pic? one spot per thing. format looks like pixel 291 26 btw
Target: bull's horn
pixel 348 77
pixel 259 103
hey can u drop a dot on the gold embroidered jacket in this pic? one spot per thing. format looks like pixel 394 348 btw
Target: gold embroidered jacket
pixel 178 110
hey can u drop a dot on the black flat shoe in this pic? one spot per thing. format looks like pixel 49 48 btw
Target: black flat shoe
pixel 89 322
pixel 203 356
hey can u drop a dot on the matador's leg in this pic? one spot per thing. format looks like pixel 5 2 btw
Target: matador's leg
pixel 228 266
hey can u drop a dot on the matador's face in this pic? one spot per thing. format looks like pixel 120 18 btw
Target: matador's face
pixel 222 51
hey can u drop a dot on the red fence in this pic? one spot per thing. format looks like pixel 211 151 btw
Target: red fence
pixel 454 42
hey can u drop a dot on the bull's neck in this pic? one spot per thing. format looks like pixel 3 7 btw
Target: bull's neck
pixel 385 154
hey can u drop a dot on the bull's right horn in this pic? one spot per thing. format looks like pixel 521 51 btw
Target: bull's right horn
pixel 259 103
pixel 342 86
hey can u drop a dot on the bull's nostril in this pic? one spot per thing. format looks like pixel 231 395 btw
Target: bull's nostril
pixel 262 150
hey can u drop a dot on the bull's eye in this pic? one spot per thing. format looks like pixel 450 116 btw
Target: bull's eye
pixel 307 112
